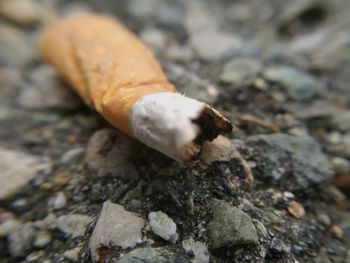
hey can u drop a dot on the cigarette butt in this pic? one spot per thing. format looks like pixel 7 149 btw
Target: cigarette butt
pixel 114 73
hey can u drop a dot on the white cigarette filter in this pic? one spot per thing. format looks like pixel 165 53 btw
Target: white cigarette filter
pixel 113 72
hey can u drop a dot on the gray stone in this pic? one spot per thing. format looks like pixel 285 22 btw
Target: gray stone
pixel 316 114
pixel 154 39
pixel 110 152
pixel 278 247
pixel 240 70
pixel 198 249
pixel 48 223
pixel 20 240
pixel 71 9
pixel 15 47
pixel 300 158
pixel 115 227
pixel 141 8
pixel 179 53
pixel 205 37
pixel 299 85
pixel 17 170
pixel 212 45
pixel 45 91
pixel 162 225
pixel 170 14
pixel 152 255
pixel 230 226
pixel 73 224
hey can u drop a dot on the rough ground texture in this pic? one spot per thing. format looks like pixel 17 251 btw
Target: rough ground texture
pixel 278 69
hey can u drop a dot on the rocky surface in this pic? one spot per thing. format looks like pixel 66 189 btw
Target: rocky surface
pixel 275 190
pixel 308 166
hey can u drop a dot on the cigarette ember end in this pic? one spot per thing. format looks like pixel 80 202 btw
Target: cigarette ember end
pixel 212 123
pixel 176 125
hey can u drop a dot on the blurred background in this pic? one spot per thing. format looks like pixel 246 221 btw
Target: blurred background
pixel 279 70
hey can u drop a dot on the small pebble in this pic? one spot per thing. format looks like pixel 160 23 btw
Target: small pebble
pixel 35 256
pixel 43 238
pixel 59 201
pixel 196 248
pixel 324 219
pixel 288 195
pixel 162 225
pixel 239 71
pixel 337 231
pixel 62 178
pixel 73 224
pixel 154 39
pixel 179 53
pixel 296 209
pixel 170 14
pixel 141 8
pixel 73 254
pixel 220 149
pixel 23 12
pixel 72 155
pixel 341 165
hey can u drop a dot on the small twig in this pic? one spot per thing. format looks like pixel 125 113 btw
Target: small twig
pixel 248 118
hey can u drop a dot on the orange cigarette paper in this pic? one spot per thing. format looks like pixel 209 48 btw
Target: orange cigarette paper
pixel 105 63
